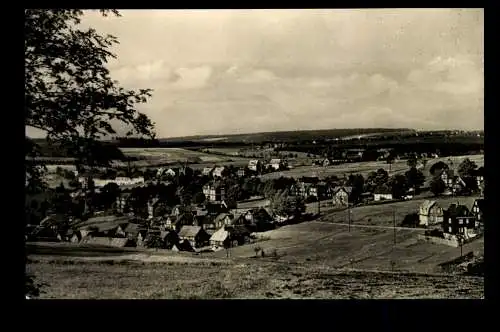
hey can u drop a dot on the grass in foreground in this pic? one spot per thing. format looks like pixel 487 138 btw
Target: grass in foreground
pixel 245 280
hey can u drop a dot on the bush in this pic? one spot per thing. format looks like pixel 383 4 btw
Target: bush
pixel 410 220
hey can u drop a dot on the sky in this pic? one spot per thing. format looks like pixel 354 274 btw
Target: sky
pixel 239 71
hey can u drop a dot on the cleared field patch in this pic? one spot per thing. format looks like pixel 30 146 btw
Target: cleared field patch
pixel 240 280
pixel 169 154
pixel 364 248
pixel 364 168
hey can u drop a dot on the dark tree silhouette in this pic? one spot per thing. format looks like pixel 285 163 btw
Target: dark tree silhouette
pixel 415 178
pixel 199 198
pixel 437 186
pixel 68 91
pixel 437 167
pixel 467 168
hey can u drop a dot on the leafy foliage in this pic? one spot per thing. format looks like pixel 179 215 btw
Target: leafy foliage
pixel 69 93
pixel 437 186
pixel 357 181
pixel 437 167
pixel 467 168
pixel 285 205
pixel 399 185
pixel 415 178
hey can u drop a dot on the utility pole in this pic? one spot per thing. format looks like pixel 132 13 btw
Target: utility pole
pixel 349 216
pixel 394 223
pixel 319 206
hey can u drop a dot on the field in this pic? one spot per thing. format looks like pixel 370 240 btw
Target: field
pixel 314 260
pixel 365 168
pixel 250 280
pixel 382 214
pixel 166 156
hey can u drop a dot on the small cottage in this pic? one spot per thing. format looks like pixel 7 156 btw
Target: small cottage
pixel 220 238
pixel 223 219
pixel 219 172
pixel 382 193
pixel 430 213
pixel 196 236
pixel 341 196
pixel 476 207
pixel 254 165
pixel 241 172
pixel 169 238
pixel 207 171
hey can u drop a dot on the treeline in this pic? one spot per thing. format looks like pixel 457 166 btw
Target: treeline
pixel 370 154
pixel 102 150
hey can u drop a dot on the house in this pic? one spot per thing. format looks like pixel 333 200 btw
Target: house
pixel 341 196
pixel 140 240
pixel 382 193
pixel 476 207
pixel 220 238
pixel 178 210
pixel 108 241
pixel 56 220
pixel 219 172
pixel 259 218
pixel 169 238
pixel 459 220
pixel 308 186
pixel 430 213
pixel 230 236
pixel 447 175
pixel 196 236
pixel 354 154
pixel 241 172
pixel 383 154
pixel 110 229
pixel 183 245
pixel 254 165
pixel 170 172
pixel 177 221
pixel 123 202
pixel 277 164
pixel 152 204
pixel 47 234
pixel 214 192
pixel 366 197
pixel 207 171
pixel 75 237
pixel 223 219
pixel 326 162
pixel 479 175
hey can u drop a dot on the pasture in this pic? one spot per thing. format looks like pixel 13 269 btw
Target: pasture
pixel 240 280
pixel 364 168
pixel 169 156
pixel 361 248
pixel 382 214
pixel 314 260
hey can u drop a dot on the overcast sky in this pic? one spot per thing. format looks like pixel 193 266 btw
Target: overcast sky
pixel 234 71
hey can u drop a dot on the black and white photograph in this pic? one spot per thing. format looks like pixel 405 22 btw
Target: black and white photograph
pixel 254 153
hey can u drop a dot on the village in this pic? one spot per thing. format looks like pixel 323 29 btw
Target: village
pixel 221 207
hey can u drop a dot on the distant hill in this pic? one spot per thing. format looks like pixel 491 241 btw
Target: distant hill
pixel 285 136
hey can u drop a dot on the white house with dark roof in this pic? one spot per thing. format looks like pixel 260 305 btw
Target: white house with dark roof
pixel 254 165
pixel 381 193
pixel 218 171
pixel 207 171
